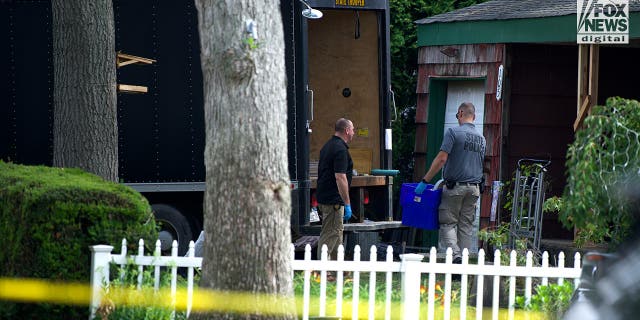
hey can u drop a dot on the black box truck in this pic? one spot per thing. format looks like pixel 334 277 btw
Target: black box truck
pixel 337 66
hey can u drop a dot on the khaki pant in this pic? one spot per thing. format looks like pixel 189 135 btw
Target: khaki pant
pixel 456 214
pixel 332 228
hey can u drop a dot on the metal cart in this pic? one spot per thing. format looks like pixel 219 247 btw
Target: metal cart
pixel 528 198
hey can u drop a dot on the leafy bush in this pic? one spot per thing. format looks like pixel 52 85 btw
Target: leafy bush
pixel 552 299
pixel 48 219
pixel 553 204
pixel 602 162
pixel 498 238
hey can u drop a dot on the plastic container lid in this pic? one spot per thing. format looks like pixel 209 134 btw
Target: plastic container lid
pixel 384 172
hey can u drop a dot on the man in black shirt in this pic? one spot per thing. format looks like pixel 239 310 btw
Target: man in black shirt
pixel 334 178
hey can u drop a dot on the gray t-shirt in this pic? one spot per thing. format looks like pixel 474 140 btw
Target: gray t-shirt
pixel 466 148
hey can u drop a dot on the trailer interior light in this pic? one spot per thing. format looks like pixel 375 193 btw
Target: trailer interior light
pixel 311 13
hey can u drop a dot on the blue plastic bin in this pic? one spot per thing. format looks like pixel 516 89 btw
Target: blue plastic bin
pixel 420 210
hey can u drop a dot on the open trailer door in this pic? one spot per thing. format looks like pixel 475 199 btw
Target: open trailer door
pixel 346 69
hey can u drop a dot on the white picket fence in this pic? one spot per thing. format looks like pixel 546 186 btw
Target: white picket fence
pixel 101 257
pixel 411 268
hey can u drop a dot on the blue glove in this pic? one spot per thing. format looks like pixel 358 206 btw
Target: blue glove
pixel 421 186
pixel 347 212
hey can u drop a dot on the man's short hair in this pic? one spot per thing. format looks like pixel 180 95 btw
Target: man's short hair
pixel 468 108
pixel 342 124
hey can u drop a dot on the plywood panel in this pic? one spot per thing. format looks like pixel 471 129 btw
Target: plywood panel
pixel 361 160
pixel 338 60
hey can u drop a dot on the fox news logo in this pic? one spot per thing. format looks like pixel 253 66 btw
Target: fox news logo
pixel 603 21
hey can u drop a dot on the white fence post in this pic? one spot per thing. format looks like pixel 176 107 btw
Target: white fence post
pixel 356 285
pixel 373 257
pixel 479 286
pixel 411 285
pixel 307 285
pixel 561 266
pixel 576 265
pixel 339 282
pixel 191 254
pixel 496 287
pixel 174 278
pixel 100 258
pixel 387 308
pixel 431 287
pixel 140 266
pixel 527 283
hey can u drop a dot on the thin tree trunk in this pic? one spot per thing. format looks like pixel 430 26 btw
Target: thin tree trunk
pixel 247 203
pixel 85 112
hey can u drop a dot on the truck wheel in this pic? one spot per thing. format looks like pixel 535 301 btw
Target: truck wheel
pixel 173 226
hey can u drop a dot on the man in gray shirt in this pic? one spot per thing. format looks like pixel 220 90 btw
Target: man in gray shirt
pixel 461 154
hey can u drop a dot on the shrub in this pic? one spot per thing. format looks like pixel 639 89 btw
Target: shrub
pixel 602 164
pixel 48 219
pixel 552 299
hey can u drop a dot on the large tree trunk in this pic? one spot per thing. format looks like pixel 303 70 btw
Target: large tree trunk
pixel 85 122
pixel 247 203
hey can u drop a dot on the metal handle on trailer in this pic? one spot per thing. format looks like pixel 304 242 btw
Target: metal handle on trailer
pixel 393 102
pixel 310 93
pixel 310 104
